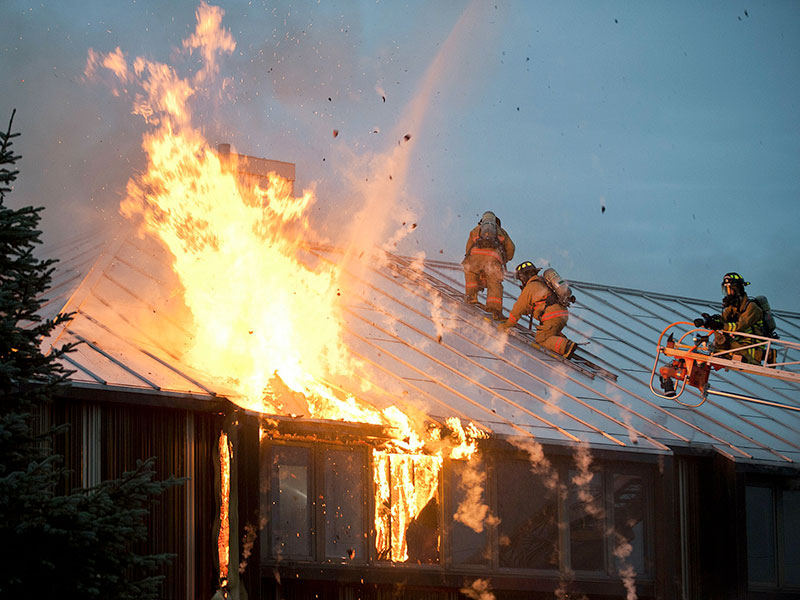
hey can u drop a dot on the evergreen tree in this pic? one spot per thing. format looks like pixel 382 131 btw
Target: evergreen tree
pixel 51 545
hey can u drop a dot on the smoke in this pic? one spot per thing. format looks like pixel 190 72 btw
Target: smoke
pixel 249 540
pixel 583 479
pixel 626 418
pixel 480 589
pixel 473 511
pixel 380 179
pixel 623 550
pixel 540 464
pixel 622 546
pixel 436 315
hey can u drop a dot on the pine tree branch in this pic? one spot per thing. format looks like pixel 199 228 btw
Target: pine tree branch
pixel 7 176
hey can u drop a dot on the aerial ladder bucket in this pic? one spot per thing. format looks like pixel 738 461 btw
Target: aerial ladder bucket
pixel 692 357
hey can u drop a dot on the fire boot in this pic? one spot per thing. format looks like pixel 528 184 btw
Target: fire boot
pixel 472 298
pixel 667 386
pixel 675 370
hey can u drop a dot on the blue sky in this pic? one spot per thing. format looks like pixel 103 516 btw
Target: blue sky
pixel 681 121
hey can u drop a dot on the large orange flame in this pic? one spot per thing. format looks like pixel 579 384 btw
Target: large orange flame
pixel 263 319
pixel 258 311
pixel 266 320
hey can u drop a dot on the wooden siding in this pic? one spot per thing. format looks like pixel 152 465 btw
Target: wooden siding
pixel 184 444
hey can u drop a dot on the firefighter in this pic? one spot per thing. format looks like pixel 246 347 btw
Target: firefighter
pixel 541 302
pixel 739 313
pixel 489 248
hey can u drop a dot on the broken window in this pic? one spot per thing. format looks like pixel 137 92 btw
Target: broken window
pixel 291 502
pixel 343 505
pixel 528 511
pixel 407 521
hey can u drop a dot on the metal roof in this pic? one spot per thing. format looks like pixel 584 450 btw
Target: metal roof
pixel 424 350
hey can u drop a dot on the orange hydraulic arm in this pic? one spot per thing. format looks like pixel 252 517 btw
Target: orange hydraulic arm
pixel 692 363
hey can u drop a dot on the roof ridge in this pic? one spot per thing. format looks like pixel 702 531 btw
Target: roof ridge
pixel 601 286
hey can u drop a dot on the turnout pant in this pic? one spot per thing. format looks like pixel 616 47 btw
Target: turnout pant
pixel 480 270
pixel 548 333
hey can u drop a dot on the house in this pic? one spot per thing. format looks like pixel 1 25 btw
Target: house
pixel 584 483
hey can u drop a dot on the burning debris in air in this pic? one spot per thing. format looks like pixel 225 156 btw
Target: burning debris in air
pixel 251 288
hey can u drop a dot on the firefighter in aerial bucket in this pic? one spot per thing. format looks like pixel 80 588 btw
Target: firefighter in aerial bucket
pixel 540 301
pixel 489 248
pixel 739 313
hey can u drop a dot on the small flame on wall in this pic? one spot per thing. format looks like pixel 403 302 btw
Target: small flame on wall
pixel 223 540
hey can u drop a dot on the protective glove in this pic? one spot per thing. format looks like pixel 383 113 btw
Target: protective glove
pixel 708 321
pixel 505 325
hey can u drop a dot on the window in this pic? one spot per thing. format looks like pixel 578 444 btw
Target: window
pixel 343 505
pixel 407 520
pixel 608 518
pixel 791 536
pixel 761 567
pixel 586 528
pixel 315 503
pixel 467 546
pixel 599 526
pixel 291 502
pixel 773 548
pixel 629 524
pixel 528 512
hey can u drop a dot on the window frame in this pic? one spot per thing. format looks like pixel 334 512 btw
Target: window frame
pixel 562 463
pixel 777 489
pixel 448 484
pixel 267 502
pixel 367 501
pixel 648 516
pixel 316 492
pixel 495 506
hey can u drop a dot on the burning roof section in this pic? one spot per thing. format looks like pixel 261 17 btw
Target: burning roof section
pixel 421 350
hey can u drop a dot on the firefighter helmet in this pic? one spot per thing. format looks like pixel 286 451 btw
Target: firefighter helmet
pixel 524 271
pixel 733 284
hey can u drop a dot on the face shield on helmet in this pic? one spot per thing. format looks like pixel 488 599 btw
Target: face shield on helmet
pixel 733 285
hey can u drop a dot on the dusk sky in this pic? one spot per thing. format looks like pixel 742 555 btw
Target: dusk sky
pixel 639 144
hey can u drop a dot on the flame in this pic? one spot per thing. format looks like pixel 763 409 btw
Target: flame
pixel 266 319
pixel 223 539
pixel 406 480
pixel 404 484
pixel 258 311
